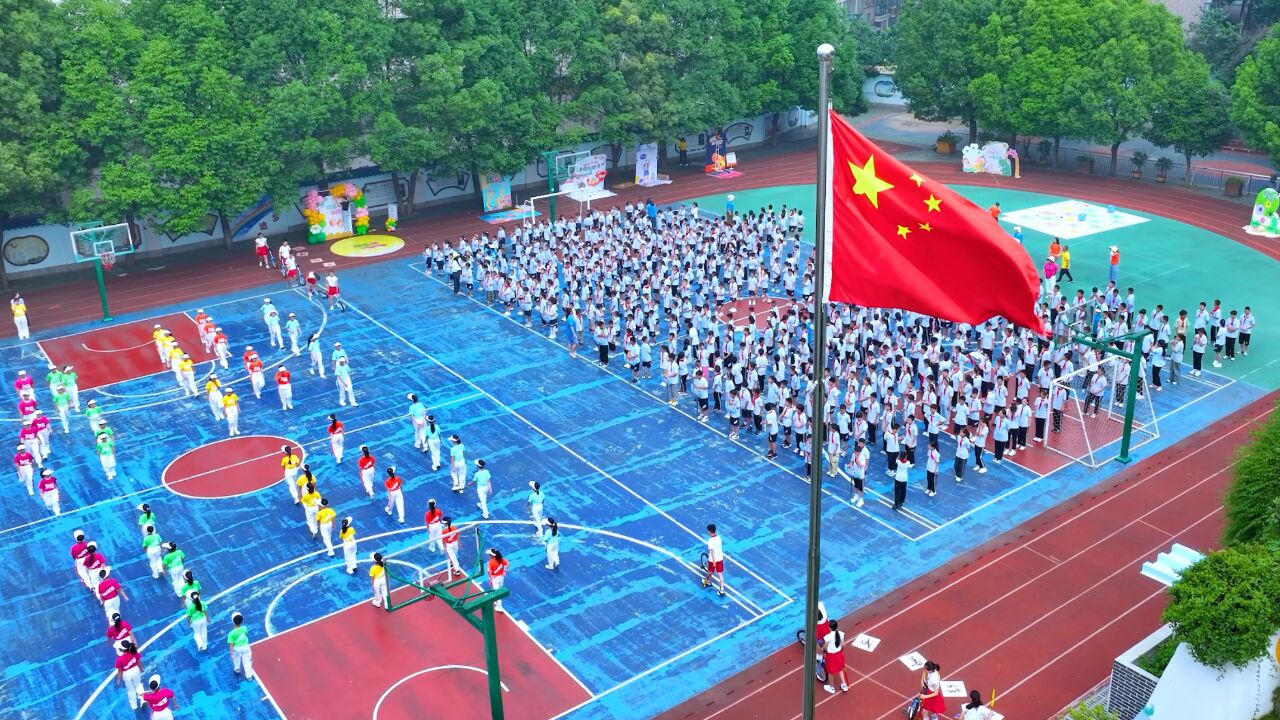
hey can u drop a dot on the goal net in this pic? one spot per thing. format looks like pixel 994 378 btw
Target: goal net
pixel 1088 412
pixel 414 574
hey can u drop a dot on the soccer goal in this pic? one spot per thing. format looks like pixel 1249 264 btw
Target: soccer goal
pixel 1094 401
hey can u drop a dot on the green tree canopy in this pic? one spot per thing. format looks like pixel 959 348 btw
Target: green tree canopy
pixel 1255 97
pixel 35 156
pixel 1190 112
pixel 1253 500
pixel 939 58
pixel 1128 69
pixel 1227 606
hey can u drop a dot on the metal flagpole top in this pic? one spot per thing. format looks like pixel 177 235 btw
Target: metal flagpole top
pixel 826 51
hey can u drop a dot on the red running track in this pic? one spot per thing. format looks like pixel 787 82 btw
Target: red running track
pixel 1037 614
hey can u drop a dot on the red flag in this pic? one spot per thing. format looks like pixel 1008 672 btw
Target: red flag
pixel 901 240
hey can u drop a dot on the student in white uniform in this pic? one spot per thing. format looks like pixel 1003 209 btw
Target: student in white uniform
pixel 484 488
pixel 458 464
pixel 342 377
pixel 418 418
pixel 551 538
pixel 715 560
pixel 537 499
pixel 432 433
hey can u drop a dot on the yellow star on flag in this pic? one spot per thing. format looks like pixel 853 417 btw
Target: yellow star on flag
pixel 926 227
pixel 903 230
pixel 918 180
pixel 934 204
pixel 866 183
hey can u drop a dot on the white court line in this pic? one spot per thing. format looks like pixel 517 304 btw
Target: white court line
pixel 707 426
pixel 251 579
pixel 677 658
pixel 161 486
pixel 266 695
pixel 556 441
pixel 378 706
pixel 1027 541
pixel 149 318
pixel 1127 568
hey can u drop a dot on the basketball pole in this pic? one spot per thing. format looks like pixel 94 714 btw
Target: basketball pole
pixel 102 289
pixel 817 438
pixel 550 158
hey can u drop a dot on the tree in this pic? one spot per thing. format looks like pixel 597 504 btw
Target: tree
pixel 1251 503
pixel 1227 606
pixel 103 117
pixel 1189 113
pixel 938 58
pixel 1127 69
pixel 1255 97
pixel 34 153
pixel 787 33
pixel 1215 37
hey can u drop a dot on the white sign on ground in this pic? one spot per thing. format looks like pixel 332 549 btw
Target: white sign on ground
pixel 865 642
pixel 913 660
pixel 1070 219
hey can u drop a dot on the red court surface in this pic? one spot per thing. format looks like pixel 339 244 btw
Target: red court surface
pixel 228 468
pixel 422 661
pixel 115 353
pixel 1038 614
pixel 739 312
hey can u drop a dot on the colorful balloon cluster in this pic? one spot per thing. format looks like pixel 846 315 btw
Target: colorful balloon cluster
pixel 314 218
pixel 360 213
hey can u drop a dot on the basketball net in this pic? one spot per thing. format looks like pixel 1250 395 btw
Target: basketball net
pixel 107 258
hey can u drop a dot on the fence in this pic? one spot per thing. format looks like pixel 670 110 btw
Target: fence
pixel 1205 177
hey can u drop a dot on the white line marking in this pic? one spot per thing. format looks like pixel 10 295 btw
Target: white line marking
pixel 681 656
pixel 556 441
pixel 1027 541
pixel 161 486
pixel 690 417
pixel 378 706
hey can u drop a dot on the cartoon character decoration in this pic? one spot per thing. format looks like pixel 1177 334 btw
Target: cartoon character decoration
pixel 314 216
pixel 991 158
pixel 393 216
pixel 971 160
pixel 1265 221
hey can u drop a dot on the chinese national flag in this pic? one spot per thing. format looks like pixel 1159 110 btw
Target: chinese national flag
pixel 901 240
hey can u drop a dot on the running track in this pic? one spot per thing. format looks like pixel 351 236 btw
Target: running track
pixel 1042 609
pixel 1037 614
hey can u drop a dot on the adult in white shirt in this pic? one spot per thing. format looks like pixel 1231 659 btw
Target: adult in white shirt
pixel 715 559
pixel 975 710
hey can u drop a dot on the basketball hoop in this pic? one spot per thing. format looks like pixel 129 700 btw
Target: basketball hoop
pixel 107 258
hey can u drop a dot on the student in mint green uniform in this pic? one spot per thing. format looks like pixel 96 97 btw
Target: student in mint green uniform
pixel 93 414
pixel 238 641
pixel 73 389
pixel 153 546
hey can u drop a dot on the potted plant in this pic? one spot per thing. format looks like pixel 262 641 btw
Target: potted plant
pixel 1234 186
pixel 1163 164
pixel 1139 159
pixel 1084 163
pixel 1046 150
pixel 947 143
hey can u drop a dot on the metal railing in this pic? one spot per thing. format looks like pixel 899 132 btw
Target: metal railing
pixel 1201 177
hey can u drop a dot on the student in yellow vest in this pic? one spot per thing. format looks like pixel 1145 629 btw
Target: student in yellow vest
pixel 290 464
pixel 324 518
pixel 378 580
pixel 1064 267
pixel 347 534
pixel 213 391
pixel 311 508
pixel 187 374
pixel 231 407
pixel 19 308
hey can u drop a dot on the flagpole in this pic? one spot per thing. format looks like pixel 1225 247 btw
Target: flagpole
pixel 817 438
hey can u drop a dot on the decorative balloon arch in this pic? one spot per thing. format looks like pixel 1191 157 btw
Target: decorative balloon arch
pixel 340 213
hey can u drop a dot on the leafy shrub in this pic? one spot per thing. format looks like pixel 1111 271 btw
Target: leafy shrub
pixel 1227 606
pixel 1253 499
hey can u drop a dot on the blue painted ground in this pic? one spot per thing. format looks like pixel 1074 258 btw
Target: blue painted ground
pixel 611 457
